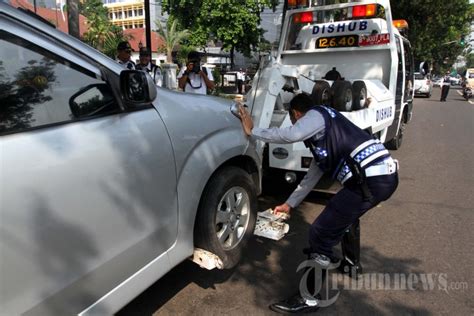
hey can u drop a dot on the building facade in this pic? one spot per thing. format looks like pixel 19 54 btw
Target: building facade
pixel 129 14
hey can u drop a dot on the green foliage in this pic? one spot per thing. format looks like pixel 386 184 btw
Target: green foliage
pixel 435 27
pixel 171 36
pixel 183 52
pixel 234 23
pixel 101 33
pixel 217 76
pixel 94 10
pixel 470 61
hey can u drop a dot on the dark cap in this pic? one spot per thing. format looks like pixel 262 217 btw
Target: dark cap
pixel 144 51
pixel 194 56
pixel 124 46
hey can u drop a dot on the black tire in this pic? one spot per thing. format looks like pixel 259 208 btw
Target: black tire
pixel 396 142
pixel 321 93
pixel 342 96
pixel 359 94
pixel 228 197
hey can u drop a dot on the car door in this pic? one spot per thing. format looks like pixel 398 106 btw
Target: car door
pixel 88 189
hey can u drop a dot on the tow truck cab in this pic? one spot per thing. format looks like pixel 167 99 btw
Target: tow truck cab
pixel 360 41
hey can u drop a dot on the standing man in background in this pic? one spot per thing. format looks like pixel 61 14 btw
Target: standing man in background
pixel 240 81
pixel 193 78
pixel 445 83
pixel 147 65
pixel 124 52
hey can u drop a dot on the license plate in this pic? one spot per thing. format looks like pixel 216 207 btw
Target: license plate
pixel 338 41
pixel 377 39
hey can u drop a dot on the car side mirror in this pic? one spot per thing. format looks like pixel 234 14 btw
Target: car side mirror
pixel 137 87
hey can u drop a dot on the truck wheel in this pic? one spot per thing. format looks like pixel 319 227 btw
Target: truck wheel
pixel 321 93
pixel 396 142
pixel 359 91
pixel 342 95
pixel 226 215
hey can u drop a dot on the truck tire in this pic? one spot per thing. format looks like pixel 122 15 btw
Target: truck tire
pixel 359 92
pixel 342 95
pixel 321 93
pixel 396 142
pixel 226 215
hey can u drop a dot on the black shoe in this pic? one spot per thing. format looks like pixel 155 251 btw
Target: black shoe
pixel 295 304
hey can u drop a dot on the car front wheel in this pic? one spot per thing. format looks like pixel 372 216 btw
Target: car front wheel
pixel 226 215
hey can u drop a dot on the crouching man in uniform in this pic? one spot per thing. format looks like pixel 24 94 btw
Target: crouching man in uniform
pixel 360 162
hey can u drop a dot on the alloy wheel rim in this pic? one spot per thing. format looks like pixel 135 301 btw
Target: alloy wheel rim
pixel 232 217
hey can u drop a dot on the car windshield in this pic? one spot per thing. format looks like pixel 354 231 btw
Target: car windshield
pixel 419 77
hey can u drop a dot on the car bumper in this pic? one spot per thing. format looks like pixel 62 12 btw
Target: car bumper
pixel 422 90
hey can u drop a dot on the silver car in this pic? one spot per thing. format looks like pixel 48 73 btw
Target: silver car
pixel 108 182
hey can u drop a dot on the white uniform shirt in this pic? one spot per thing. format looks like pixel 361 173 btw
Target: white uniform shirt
pixel 197 82
pixel 240 75
pixel 311 124
pixel 156 75
pixel 128 64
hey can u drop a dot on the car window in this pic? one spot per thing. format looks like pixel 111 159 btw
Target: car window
pixel 39 88
pixel 419 77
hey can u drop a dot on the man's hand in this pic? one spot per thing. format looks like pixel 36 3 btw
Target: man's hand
pixel 189 67
pixel 246 120
pixel 283 208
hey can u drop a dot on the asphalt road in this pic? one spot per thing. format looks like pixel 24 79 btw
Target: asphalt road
pixel 417 248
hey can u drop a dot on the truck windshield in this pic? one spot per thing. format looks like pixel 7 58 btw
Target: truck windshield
pixel 346 26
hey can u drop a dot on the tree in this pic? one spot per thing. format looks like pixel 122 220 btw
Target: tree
pixel 470 61
pixel 171 36
pixel 233 23
pixel 101 33
pixel 435 27
pixel 19 95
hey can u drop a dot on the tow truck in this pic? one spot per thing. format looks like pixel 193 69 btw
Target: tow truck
pixel 360 42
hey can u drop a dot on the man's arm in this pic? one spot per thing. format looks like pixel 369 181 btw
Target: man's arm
pixel 312 177
pixel 182 80
pixel 183 75
pixel 209 83
pixel 309 125
pixel 306 185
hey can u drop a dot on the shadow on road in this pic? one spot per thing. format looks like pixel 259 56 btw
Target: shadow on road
pixel 268 272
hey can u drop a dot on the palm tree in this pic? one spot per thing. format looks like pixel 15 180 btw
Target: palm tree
pixel 171 37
